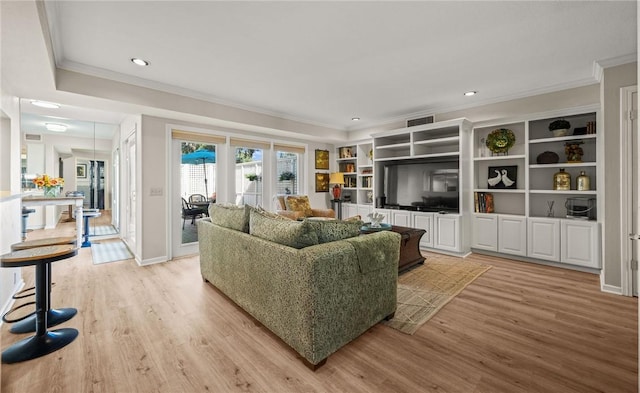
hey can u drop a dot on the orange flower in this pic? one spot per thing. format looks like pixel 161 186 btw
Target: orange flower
pixel 47 181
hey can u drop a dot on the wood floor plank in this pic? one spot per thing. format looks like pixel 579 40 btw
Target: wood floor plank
pixel 519 327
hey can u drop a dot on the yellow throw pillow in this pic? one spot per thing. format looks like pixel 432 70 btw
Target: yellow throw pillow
pixel 298 203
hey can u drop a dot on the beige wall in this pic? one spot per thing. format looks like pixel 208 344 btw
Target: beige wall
pixel 153 145
pixel 613 79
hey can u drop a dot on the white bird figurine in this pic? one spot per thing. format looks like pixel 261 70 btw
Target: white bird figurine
pixel 507 182
pixel 495 180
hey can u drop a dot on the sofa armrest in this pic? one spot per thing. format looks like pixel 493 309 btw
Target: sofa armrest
pixel 323 213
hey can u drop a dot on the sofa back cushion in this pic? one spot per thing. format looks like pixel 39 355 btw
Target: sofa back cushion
pixel 333 230
pixel 298 203
pixel 281 230
pixel 230 216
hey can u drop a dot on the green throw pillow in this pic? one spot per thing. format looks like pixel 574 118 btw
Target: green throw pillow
pixel 296 234
pixel 230 216
pixel 332 230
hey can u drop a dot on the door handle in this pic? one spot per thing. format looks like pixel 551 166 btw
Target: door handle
pixel 634 236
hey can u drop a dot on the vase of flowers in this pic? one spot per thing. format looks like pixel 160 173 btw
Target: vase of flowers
pixel 50 185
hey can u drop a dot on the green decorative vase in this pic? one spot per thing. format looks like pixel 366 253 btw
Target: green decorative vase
pixel 51 192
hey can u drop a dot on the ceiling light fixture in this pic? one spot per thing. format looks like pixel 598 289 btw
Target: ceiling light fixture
pixel 140 62
pixel 470 93
pixel 355 118
pixel 45 104
pixel 55 127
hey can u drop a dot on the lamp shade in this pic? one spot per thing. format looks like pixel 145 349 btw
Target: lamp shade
pixel 336 178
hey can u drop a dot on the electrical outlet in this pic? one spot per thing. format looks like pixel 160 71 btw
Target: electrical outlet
pixel 156 191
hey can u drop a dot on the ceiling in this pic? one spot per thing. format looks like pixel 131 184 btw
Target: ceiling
pixel 324 63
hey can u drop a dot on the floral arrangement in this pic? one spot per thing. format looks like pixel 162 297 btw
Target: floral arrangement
pixel 48 181
pixel 500 140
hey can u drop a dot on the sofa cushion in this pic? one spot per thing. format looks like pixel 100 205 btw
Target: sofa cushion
pixel 296 234
pixel 230 216
pixel 299 203
pixel 332 230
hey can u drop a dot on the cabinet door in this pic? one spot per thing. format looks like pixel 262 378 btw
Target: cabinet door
pixel 401 218
pixel 543 236
pixel 387 215
pixel 424 221
pixel 580 241
pixel 349 210
pixel 447 232
pixel 485 231
pixel 512 235
pixel 363 212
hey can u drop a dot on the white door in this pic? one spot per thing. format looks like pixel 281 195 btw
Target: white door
pixel 512 235
pixel 447 232
pixel 630 189
pixel 424 221
pixel 635 248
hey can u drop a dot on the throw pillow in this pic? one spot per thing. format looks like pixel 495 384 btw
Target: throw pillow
pixel 296 234
pixel 330 231
pixel 298 203
pixel 230 216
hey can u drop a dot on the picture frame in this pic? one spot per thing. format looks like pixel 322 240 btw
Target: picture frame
pixel 322 182
pixel 81 171
pixel 502 177
pixel 322 159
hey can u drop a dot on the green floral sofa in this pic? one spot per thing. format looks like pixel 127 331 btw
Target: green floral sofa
pixel 314 284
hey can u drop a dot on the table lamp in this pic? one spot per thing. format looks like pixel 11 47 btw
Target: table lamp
pixel 336 178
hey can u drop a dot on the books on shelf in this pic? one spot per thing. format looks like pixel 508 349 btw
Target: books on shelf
pixel 483 202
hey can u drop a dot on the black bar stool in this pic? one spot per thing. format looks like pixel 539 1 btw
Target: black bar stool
pixel 88 213
pixel 54 316
pixel 44 341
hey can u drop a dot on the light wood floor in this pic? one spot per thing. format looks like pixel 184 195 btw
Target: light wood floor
pixel 518 328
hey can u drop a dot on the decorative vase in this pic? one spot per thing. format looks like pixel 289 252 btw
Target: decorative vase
pixel 560 132
pixel 582 182
pixel 51 191
pixel 562 181
pixel 573 151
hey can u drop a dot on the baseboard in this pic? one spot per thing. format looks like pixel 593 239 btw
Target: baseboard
pixel 151 261
pixel 611 289
pixel 11 301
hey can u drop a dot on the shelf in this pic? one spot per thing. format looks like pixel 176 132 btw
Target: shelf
pixel 563 165
pixel 496 158
pixel 452 140
pixel 433 155
pixel 500 190
pixel 395 146
pixel 570 192
pixel 366 166
pixel 392 158
pixel 347 159
pixel 562 138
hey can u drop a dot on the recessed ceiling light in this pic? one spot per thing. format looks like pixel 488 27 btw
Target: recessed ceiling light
pixel 55 127
pixel 45 104
pixel 140 62
pixel 355 118
pixel 470 93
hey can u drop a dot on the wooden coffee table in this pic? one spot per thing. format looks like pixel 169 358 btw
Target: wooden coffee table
pixel 409 246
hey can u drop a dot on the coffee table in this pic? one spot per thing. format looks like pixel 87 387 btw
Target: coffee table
pixel 410 255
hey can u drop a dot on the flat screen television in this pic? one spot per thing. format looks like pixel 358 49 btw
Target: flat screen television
pixel 422 185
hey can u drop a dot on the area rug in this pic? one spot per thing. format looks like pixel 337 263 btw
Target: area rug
pixel 423 291
pixel 109 251
pixel 102 230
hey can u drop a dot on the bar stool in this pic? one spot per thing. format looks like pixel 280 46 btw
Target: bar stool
pixel 44 341
pixel 25 215
pixel 87 214
pixel 54 316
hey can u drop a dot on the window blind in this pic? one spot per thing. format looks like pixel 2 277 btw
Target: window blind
pixel 197 137
pixel 289 148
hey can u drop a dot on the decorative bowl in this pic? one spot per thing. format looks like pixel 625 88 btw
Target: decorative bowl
pixel 548 157
pixel 501 140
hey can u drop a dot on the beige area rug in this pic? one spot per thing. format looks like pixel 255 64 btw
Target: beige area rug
pixel 423 291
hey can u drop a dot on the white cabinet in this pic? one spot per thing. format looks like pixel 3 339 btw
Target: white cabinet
pixel 485 232
pixel 363 211
pixel 424 221
pixel 543 238
pixel 580 242
pixel 447 232
pixel 512 234
pixel 350 210
pixel 401 218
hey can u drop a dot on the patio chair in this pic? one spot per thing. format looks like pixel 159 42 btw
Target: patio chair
pixel 190 212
